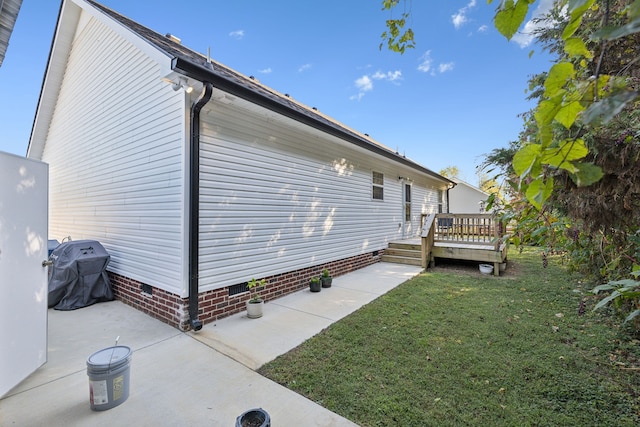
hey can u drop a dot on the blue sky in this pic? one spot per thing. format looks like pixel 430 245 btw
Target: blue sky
pixel 453 98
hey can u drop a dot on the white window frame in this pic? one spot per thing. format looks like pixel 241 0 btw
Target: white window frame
pixel 375 184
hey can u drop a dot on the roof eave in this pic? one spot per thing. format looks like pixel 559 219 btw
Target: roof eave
pixel 202 73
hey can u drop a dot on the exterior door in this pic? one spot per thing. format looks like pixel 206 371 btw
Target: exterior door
pixel 23 278
pixel 407 229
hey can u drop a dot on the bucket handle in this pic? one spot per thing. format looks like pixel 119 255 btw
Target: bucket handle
pixel 113 351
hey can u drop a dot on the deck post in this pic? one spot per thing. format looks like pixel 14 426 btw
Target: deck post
pixel 427 237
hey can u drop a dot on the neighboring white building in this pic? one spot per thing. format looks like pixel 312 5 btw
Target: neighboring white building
pixel 464 198
pixel 195 192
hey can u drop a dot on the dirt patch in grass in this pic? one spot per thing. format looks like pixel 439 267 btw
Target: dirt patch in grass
pixel 444 265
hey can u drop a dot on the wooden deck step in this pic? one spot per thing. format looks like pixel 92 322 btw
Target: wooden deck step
pixel 409 253
pixel 403 253
pixel 401 260
pixel 410 245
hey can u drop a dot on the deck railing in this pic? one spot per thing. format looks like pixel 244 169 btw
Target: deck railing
pixel 480 229
pixel 476 237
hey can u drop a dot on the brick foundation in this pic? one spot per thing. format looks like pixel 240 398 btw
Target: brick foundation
pixel 216 304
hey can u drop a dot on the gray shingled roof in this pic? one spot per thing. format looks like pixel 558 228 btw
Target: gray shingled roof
pixel 197 66
pixel 8 14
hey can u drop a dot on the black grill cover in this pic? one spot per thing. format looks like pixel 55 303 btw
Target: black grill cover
pixel 79 277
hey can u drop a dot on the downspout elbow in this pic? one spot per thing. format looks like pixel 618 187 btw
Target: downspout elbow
pixel 194 206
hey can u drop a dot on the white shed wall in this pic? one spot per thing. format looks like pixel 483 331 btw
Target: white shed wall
pixel 115 148
pixel 465 199
pixel 277 196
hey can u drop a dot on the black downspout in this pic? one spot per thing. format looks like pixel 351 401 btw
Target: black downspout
pixel 194 206
pixel 448 199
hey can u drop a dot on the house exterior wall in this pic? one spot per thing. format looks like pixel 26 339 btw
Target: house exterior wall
pixel 279 200
pixel 115 146
pixel 277 196
pixel 466 199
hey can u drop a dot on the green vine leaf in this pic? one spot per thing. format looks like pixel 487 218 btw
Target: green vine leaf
pixel 587 174
pixel 567 114
pixel 557 78
pixel 577 8
pixel 547 110
pixel 568 151
pixel 388 4
pixel 539 191
pixel 576 47
pixel 545 135
pixel 601 86
pixel 510 16
pixel 571 28
pixel 612 33
pixel 603 111
pixel 396 40
pixel 527 160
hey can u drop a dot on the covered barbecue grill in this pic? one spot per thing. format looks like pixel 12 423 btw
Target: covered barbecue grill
pixel 78 275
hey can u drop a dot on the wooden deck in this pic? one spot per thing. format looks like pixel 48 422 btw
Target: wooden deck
pixel 472 237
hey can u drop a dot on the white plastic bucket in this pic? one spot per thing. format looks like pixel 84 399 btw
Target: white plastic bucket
pixel 109 373
pixel 486 268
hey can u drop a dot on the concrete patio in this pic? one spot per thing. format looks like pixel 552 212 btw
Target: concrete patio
pixel 195 378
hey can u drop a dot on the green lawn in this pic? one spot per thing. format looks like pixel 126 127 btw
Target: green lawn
pixel 453 347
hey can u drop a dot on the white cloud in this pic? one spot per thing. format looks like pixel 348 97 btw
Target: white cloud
pixel 304 67
pixel 426 62
pixel 426 65
pixel 389 75
pixel 364 84
pixel 237 34
pixel 483 28
pixel 460 18
pixel 443 68
pixel 525 37
pixel 265 70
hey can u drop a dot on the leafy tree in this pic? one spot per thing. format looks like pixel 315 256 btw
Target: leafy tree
pixel 599 222
pixel 488 184
pixel 450 172
pixel 577 91
pixel 573 181
pixel 397 37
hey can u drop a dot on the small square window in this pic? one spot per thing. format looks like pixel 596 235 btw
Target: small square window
pixel 378 193
pixel 378 178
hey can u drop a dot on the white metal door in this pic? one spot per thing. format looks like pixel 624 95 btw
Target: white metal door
pixel 23 279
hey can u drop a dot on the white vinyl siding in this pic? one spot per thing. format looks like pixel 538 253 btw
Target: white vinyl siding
pixel 426 197
pixel 115 148
pixel 277 197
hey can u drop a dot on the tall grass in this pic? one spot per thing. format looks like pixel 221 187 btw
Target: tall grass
pixel 453 347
